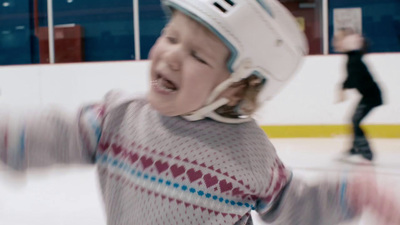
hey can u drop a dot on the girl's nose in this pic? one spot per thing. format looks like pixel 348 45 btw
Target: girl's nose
pixel 174 58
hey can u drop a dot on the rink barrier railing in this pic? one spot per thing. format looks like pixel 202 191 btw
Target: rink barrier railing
pixel 308 131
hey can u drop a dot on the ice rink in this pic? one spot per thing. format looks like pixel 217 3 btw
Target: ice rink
pixel 65 196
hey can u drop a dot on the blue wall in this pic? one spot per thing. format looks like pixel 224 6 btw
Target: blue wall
pixel 380 22
pixel 15 33
pixel 107 27
pixel 152 21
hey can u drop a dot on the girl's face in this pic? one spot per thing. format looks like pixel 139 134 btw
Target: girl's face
pixel 188 62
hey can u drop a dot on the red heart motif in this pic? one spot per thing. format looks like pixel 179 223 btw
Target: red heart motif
pixel 146 162
pixel 104 146
pixel 116 149
pixel 237 192
pixel 161 167
pixel 194 175
pixel 133 157
pixel 210 180
pixel 177 170
pixel 225 186
pixel 254 197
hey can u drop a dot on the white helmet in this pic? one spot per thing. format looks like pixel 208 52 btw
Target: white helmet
pixel 264 40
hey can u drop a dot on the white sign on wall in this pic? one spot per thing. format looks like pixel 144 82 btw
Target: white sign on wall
pixel 347 18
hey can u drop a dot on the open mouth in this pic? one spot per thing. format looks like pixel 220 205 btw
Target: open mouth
pixel 164 84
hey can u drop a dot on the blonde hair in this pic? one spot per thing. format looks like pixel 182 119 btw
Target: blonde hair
pixel 248 95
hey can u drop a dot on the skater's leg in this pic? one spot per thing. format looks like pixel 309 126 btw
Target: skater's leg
pixel 360 142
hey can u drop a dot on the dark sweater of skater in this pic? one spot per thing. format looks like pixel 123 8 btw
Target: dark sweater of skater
pixel 359 77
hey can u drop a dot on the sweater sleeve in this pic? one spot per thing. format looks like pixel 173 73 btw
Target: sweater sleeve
pixel 51 136
pixel 304 204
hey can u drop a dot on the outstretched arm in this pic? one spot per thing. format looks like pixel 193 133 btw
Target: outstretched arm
pixel 48 137
pixel 305 204
pixel 333 202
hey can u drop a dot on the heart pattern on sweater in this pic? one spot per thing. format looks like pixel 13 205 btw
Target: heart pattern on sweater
pixel 146 162
pixel 194 175
pixel 237 192
pixel 225 186
pixel 104 146
pixel 133 157
pixel 116 149
pixel 210 180
pixel 161 167
pixel 177 170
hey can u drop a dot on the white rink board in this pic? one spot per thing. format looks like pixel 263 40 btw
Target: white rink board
pixel 308 99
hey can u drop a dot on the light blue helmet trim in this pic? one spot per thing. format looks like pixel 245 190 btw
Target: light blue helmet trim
pixel 265 7
pixel 232 49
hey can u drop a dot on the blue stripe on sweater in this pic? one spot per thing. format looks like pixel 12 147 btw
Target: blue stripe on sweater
pixel 347 212
pixel 22 143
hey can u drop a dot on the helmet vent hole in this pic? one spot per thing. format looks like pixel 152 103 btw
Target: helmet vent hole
pixel 230 2
pixel 222 9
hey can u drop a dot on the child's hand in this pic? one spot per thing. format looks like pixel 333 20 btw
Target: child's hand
pixel 363 193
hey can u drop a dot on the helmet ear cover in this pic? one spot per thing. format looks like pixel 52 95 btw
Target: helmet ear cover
pixel 262 36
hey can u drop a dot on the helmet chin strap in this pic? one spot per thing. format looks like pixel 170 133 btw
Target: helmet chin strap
pixel 212 104
pixel 205 110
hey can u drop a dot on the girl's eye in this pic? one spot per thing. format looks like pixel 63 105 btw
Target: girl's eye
pixel 171 39
pixel 198 58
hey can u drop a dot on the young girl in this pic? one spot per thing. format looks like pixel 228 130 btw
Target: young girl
pixel 358 77
pixel 190 153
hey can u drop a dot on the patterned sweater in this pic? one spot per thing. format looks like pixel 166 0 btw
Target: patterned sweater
pixel 166 170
